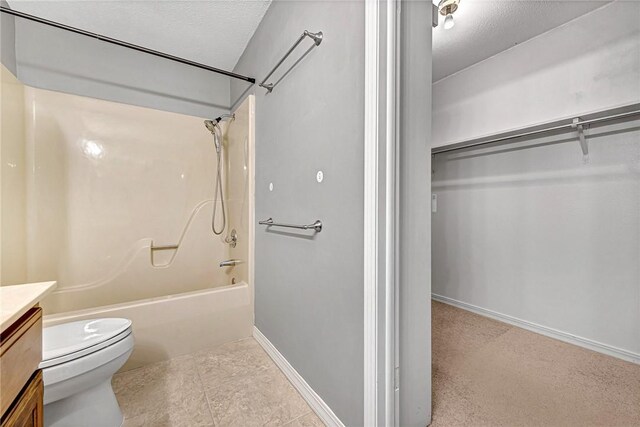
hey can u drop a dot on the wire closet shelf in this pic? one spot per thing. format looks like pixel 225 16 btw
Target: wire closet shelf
pixel 579 124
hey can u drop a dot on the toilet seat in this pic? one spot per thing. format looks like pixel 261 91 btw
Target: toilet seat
pixel 68 378
pixel 70 341
pixel 80 359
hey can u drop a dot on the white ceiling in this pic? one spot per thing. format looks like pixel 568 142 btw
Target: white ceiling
pixel 213 32
pixel 216 32
pixel 484 28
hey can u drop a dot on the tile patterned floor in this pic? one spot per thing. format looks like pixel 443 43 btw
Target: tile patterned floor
pixel 236 384
pixel 485 373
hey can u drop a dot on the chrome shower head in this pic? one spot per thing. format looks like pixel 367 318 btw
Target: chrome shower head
pixel 210 125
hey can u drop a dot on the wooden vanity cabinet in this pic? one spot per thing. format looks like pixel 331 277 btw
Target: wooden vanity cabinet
pixel 27 410
pixel 21 386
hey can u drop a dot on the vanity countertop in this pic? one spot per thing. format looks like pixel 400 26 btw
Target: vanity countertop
pixel 16 300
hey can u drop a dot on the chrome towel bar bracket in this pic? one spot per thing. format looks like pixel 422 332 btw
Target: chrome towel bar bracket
pixel 317 226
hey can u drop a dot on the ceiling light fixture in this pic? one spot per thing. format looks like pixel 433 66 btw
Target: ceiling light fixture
pixel 448 22
pixel 447 8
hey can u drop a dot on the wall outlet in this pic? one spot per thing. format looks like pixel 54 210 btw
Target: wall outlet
pixel 434 203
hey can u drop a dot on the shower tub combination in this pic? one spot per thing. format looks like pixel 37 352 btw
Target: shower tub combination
pixel 173 325
pixel 120 201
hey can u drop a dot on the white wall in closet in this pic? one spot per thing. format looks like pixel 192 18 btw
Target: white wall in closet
pixel 585 65
pixel 529 230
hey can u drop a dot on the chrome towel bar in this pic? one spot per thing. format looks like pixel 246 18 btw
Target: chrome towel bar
pixel 317 226
pixel 317 39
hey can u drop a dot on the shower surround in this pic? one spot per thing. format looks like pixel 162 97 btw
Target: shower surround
pixel 118 203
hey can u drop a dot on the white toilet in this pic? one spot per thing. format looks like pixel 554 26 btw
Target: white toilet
pixel 79 359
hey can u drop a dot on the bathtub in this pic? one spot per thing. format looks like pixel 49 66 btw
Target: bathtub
pixel 130 236
pixel 174 325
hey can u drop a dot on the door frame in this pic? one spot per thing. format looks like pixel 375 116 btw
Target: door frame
pixel 380 213
pixel 397 290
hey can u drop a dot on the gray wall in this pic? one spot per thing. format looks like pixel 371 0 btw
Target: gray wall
pixel 529 230
pixel 309 291
pixel 50 58
pixel 414 206
pixel 7 40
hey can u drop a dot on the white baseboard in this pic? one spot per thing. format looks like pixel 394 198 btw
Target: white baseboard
pixel 550 332
pixel 315 402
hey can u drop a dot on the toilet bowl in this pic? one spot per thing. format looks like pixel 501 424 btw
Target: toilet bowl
pixel 79 359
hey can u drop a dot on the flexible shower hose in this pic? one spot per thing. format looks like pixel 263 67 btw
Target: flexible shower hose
pixel 218 190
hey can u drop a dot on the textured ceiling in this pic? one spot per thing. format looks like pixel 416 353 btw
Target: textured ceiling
pixel 213 32
pixel 484 28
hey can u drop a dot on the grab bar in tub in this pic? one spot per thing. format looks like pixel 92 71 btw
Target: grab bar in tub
pixel 163 248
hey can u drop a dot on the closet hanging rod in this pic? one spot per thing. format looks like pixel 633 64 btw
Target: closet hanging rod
pixel 317 39
pixel 124 44
pixel 575 123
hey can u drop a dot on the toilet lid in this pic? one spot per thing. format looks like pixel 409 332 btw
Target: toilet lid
pixel 68 338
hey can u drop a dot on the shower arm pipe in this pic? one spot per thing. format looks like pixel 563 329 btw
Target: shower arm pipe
pixel 124 44
pixel 317 39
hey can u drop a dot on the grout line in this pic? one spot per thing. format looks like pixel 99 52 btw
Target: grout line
pixel 314 401
pixel 204 391
pixel 253 370
pixel 296 418
pixel 210 410
pixel 204 388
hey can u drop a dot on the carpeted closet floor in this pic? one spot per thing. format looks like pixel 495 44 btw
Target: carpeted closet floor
pixel 489 373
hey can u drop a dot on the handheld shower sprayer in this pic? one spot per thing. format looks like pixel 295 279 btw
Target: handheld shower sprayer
pixel 212 126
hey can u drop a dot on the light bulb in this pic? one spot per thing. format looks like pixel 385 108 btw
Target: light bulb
pixel 448 22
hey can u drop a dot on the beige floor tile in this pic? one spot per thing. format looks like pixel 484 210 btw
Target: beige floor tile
pixel 165 393
pixel 172 419
pixel 235 384
pixel 308 420
pixel 138 421
pixel 233 359
pixel 264 397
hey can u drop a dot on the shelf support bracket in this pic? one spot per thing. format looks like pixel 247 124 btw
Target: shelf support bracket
pixel 583 140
